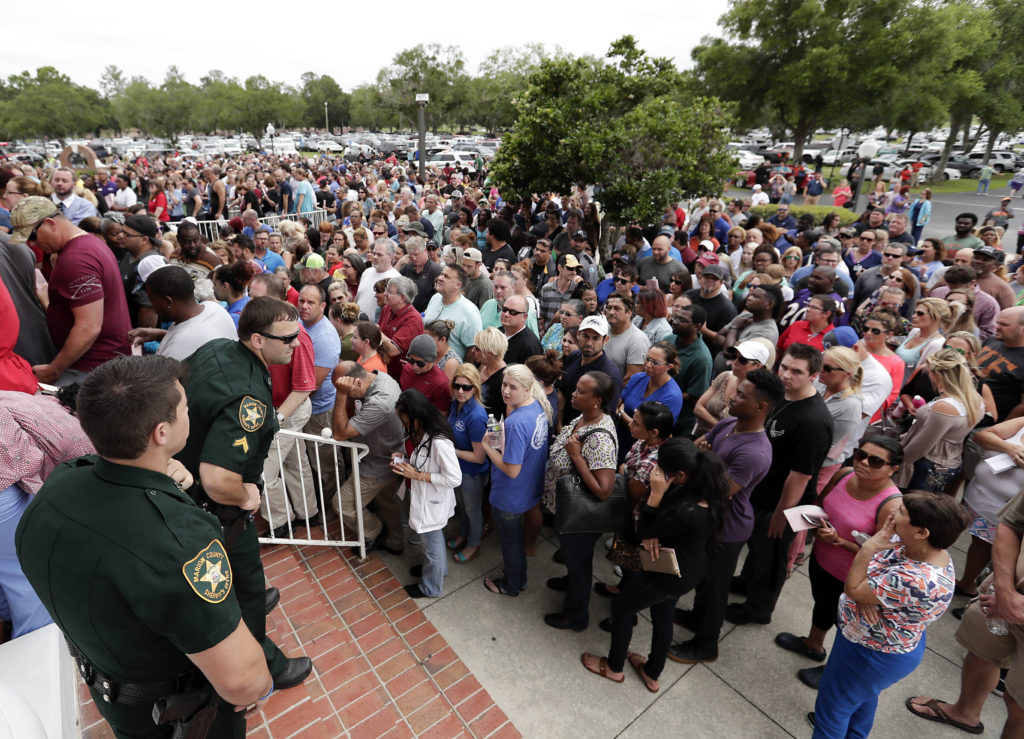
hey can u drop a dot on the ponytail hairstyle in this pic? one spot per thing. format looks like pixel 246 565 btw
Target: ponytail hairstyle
pixel 369 332
pixel 952 371
pixel 671 355
pixel 705 478
pixel 939 310
pixel 521 374
pixel 847 359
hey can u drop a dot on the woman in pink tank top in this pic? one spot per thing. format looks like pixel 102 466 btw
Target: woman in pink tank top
pixel 857 501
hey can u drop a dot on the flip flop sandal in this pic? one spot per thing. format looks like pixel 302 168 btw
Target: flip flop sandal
pixel 638 662
pixel 940 716
pixel 453 544
pixel 602 667
pixel 496 588
pixel 462 559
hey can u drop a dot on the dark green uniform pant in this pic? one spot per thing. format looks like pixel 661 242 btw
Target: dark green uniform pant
pixel 250 589
pixel 131 722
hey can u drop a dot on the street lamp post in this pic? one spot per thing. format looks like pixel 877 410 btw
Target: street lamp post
pixel 326 125
pixel 422 99
pixel 270 133
pixel 865 152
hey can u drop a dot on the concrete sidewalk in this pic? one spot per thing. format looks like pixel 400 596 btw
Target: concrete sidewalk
pixel 534 672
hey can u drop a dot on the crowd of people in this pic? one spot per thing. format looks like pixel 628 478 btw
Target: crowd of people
pixel 704 374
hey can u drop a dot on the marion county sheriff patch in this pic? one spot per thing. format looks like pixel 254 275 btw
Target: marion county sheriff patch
pixel 209 573
pixel 251 413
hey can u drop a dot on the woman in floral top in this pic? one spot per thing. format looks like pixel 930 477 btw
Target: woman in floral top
pixel 586 448
pixel 891 595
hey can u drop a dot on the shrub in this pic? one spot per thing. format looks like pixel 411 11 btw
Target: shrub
pixel 846 217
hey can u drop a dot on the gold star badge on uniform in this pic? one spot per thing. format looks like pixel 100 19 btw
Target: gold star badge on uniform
pixel 207 571
pixel 251 413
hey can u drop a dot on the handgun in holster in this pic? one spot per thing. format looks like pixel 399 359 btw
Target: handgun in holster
pixel 192 714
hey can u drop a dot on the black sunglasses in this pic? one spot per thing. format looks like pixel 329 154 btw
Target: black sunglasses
pixel 874 461
pixel 460 386
pixel 622 280
pixel 32 236
pixel 830 368
pixel 418 362
pixel 284 339
pixel 874 331
pixel 513 312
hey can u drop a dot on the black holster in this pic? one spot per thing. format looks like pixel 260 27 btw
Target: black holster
pixel 191 713
pixel 232 518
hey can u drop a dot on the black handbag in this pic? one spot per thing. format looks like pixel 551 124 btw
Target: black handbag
pixel 579 511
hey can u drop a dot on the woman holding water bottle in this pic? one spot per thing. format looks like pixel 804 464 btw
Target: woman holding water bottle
pixel 860 499
pixel 892 593
pixel 518 454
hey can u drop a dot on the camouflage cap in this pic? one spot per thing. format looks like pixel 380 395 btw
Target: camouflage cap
pixel 28 214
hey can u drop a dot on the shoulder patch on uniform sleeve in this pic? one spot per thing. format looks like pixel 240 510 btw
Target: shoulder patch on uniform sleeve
pixel 209 573
pixel 251 413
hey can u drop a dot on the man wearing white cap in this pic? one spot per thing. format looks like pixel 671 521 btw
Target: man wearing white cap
pixel 592 336
pixel 760 197
pixel 478 288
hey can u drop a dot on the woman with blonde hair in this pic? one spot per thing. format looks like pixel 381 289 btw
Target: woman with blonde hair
pixel 931 317
pixel 468 420
pixel 491 345
pixel 934 445
pixel 518 457
pixel 792 258
pixel 961 306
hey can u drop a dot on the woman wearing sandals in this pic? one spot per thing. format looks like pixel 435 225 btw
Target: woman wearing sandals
pixel 517 459
pixel 468 420
pixel 689 495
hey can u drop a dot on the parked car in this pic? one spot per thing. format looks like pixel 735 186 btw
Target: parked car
pixel 1001 161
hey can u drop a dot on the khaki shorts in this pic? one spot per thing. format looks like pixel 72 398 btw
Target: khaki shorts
pixel 1005 651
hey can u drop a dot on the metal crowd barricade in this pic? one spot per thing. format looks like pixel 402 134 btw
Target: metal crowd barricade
pixel 211 229
pixel 300 457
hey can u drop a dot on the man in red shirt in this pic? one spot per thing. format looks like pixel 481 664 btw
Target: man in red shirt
pixel 422 373
pixel 291 385
pixel 400 323
pixel 88 314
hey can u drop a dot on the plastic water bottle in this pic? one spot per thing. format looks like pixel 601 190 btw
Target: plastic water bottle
pixel 995 626
pixel 859 536
pixel 494 431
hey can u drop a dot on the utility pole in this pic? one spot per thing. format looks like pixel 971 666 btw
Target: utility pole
pixel 326 124
pixel 422 99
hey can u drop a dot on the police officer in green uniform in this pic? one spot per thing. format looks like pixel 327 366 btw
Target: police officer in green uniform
pixel 233 424
pixel 135 573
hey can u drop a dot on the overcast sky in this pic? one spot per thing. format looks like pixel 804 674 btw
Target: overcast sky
pixel 349 41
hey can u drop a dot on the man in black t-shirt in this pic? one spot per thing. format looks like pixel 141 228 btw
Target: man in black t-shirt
pixel 592 336
pixel 709 296
pixel 1001 362
pixel 800 432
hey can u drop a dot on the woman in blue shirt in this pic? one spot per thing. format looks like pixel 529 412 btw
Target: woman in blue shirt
pixel 231 285
pixel 518 462
pixel 468 420
pixel 654 384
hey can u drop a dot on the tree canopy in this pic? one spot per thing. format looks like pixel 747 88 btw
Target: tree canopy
pixel 621 122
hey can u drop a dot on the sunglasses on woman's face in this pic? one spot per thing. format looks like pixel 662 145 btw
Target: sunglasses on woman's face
pixel 874 461
pixel 875 331
pixel 460 386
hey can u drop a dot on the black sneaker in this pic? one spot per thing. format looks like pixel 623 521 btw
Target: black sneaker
pixel 794 643
pixel 738 614
pixel 1000 687
pixel 690 652
pixel 558 584
pixel 281 532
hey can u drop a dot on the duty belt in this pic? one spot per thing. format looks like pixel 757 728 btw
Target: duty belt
pixel 126 694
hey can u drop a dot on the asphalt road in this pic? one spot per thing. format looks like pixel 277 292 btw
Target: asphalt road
pixel 945 208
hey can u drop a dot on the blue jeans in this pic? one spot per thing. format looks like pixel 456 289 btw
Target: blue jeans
pixel 929 476
pixel 470 495
pixel 854 677
pixel 513 549
pixel 578 551
pixel 19 603
pixel 435 562
pixel 983 187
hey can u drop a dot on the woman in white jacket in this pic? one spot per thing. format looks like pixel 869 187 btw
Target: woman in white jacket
pixel 434 472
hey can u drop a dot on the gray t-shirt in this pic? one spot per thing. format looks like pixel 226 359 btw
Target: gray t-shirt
pixel 184 338
pixel 478 290
pixel 378 426
pixel 18 273
pixel 648 269
pixel 629 347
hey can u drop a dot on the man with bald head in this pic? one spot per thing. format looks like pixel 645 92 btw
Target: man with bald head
pixel 660 265
pixel 522 342
pixel 1001 363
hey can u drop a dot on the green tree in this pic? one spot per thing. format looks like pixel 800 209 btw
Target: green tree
pixel 315 91
pixel 439 71
pixel 502 76
pixel 621 124
pixel 50 105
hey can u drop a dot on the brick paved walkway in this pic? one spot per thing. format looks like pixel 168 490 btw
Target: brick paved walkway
pixel 381 668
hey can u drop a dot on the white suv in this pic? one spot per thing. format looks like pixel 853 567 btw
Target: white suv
pixel 1001 161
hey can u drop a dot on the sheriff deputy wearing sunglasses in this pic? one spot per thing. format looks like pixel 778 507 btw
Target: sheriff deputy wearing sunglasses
pixel 233 423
